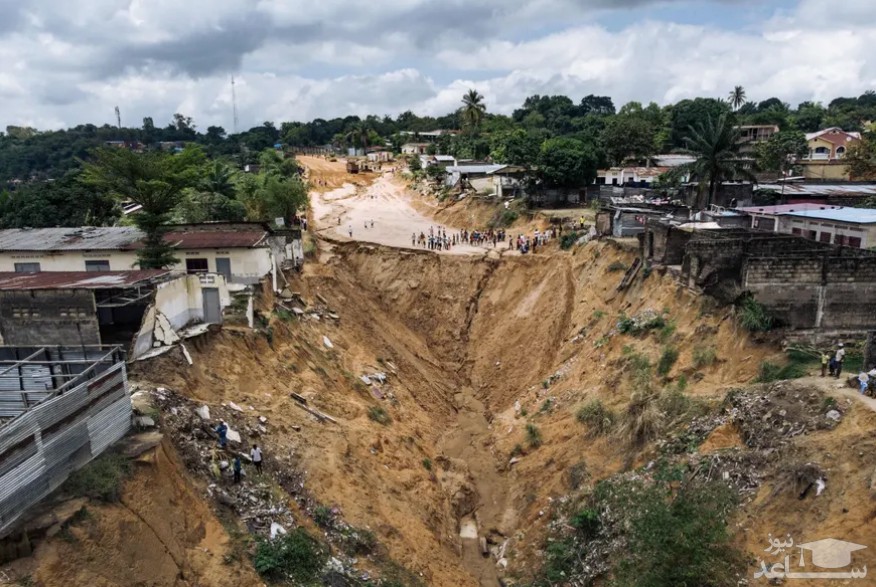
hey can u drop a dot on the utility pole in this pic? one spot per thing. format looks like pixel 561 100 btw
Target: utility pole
pixel 118 117
pixel 234 104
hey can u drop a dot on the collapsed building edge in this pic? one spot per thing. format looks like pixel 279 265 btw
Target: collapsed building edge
pixel 819 292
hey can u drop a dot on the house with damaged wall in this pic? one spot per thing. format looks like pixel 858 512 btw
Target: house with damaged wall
pixel 243 252
pixel 817 291
pixel 140 310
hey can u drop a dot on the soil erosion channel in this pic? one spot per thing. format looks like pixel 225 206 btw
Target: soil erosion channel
pixel 483 329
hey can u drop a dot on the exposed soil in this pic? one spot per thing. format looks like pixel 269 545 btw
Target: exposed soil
pixel 479 350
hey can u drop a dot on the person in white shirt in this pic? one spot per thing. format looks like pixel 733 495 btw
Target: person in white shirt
pixel 838 359
pixel 256 456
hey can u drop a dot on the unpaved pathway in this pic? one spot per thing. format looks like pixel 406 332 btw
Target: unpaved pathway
pixel 381 213
pixel 839 387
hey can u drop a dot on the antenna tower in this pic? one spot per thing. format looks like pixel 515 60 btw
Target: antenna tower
pixel 118 117
pixel 234 104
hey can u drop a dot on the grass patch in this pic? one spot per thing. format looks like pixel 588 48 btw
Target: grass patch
pixel 546 406
pixel 642 420
pixel 641 323
pixel 639 368
pixel 616 267
pixel 598 314
pixel 101 479
pixel 667 359
pixel 704 356
pixel 568 240
pixel 598 418
pixel 753 316
pixel 379 415
pixel 427 464
pixel 667 331
pixel 673 531
pixel 359 541
pixel 503 219
pixel 533 436
pixel 296 555
pixel 323 516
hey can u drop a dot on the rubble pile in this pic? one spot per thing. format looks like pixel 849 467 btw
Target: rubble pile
pixel 768 418
pixel 255 501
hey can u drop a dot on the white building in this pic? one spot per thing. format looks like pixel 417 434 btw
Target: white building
pixel 242 252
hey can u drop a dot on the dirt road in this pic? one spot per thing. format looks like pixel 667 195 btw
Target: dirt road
pixel 379 212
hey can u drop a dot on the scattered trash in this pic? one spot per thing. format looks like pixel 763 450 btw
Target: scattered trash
pixel 833 415
pixel 819 486
pixel 186 354
pixel 233 436
pixel 328 344
pixel 263 420
pixel 144 422
pixel 203 412
pixel 277 530
pixel 235 407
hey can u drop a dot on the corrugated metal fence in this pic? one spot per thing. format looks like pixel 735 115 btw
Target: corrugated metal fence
pixel 83 416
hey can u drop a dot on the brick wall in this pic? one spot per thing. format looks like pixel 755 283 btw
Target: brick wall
pixel 57 317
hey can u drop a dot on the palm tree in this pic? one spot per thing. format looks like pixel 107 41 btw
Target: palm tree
pixel 715 144
pixel 218 179
pixel 473 110
pixel 737 97
pixel 358 134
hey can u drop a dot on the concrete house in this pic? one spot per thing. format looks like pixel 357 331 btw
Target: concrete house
pixel 140 310
pixel 827 148
pixel 242 252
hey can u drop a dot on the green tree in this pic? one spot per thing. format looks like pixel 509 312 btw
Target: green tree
pixel 715 144
pixel 155 180
pixel 692 113
pixel 860 158
pixel 737 97
pixel 628 136
pixel 516 147
pixel 473 111
pixel 63 202
pixel 567 162
pixel 781 151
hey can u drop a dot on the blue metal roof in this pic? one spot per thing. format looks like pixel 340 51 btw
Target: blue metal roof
pixel 850 215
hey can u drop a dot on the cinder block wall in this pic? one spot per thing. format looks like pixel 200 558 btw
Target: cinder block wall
pixel 57 317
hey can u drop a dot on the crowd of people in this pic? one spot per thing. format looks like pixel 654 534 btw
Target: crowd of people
pixel 437 239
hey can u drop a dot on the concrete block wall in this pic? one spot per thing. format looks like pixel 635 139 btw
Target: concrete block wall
pixel 56 317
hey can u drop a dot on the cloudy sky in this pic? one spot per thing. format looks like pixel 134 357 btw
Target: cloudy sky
pixel 64 62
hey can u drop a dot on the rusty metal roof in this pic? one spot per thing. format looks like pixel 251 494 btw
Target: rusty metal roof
pixel 126 238
pixel 78 279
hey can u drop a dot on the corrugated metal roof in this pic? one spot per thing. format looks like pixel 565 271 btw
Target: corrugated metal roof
pixel 786 208
pixel 821 189
pixel 475 168
pixel 214 239
pixel 78 279
pixel 850 215
pixel 68 239
pixel 122 238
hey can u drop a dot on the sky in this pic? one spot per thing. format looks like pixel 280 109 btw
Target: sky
pixel 65 63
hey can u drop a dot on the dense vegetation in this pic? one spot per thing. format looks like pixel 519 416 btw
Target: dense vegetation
pixel 72 177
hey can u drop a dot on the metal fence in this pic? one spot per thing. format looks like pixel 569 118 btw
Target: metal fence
pixel 73 403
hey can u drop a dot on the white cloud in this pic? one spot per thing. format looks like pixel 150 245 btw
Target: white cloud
pixel 66 63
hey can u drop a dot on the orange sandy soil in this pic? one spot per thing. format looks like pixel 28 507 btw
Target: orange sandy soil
pixel 464 339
